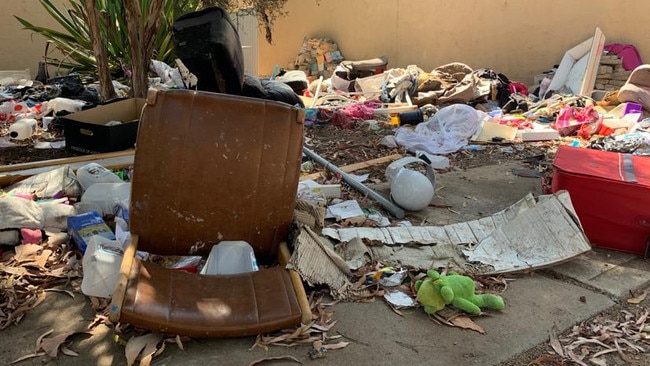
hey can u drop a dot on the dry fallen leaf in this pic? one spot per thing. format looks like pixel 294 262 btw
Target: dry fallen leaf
pixel 334 346
pixel 27 357
pixel 69 352
pixel 51 345
pixel 465 322
pixel 136 345
pixel 26 252
pixel 279 358
pixel 555 343
pixel 179 342
pixel 638 299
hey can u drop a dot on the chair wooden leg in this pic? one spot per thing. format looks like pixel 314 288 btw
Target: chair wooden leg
pixel 305 309
pixel 122 281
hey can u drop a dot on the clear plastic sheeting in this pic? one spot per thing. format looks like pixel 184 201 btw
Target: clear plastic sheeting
pixel 446 132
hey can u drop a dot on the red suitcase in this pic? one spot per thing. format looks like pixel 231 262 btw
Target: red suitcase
pixel 611 195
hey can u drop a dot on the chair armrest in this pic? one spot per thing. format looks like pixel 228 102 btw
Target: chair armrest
pixel 123 279
pixel 301 295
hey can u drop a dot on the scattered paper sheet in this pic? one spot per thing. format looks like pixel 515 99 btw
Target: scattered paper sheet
pixel 344 210
pixel 399 299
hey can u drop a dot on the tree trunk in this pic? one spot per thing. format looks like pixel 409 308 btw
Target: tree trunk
pixel 101 55
pixel 141 34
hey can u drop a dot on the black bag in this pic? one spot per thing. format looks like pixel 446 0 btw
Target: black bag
pixel 208 44
pixel 500 92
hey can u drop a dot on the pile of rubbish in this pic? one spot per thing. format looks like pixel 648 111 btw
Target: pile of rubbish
pixel 357 253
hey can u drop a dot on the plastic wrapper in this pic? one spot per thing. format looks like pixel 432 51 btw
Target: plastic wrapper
pixel 446 132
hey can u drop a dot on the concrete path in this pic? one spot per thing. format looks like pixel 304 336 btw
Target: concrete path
pixel 561 296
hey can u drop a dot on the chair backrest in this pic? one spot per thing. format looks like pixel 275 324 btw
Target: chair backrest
pixel 210 167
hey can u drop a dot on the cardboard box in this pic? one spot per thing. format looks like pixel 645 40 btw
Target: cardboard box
pixel 538 133
pixel 82 227
pixel 94 130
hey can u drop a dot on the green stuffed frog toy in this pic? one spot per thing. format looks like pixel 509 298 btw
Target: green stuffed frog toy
pixel 438 290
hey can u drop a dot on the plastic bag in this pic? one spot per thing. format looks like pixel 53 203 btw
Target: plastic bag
pixel 446 132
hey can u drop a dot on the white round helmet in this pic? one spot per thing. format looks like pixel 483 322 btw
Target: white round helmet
pixel 411 190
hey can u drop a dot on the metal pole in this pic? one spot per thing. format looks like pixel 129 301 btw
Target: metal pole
pixel 391 207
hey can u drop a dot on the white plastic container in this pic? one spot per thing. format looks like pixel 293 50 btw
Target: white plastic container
pixel 230 257
pixel 101 266
pixel 23 129
pixel 92 173
pixel 105 197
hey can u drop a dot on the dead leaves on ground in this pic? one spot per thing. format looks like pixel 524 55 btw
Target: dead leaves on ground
pixel 50 346
pixel 316 333
pixel 29 271
pixel 588 342
pixel 144 347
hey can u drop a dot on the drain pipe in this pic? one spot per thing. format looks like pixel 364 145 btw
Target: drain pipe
pixel 388 205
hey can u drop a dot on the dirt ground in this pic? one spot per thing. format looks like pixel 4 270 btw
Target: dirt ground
pixel 343 147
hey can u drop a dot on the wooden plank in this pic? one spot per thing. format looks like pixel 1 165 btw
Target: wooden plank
pixel 357 166
pixel 57 162
pixel 10 174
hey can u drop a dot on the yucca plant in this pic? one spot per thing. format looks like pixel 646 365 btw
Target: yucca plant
pixel 74 41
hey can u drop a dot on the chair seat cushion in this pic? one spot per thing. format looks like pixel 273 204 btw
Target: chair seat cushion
pixel 176 302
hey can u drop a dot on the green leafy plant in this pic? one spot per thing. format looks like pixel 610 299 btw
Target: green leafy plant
pixel 111 38
pixel 75 44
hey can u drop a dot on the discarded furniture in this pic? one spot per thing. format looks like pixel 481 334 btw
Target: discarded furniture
pixel 211 167
pixel 637 87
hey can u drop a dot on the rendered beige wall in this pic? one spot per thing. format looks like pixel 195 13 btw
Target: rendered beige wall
pixel 23 49
pixel 519 38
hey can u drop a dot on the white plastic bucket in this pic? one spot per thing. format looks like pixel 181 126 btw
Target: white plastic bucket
pixel 230 257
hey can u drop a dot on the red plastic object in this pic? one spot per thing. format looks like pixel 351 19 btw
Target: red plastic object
pixel 611 195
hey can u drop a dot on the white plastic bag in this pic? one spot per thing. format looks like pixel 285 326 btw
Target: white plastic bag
pixel 446 132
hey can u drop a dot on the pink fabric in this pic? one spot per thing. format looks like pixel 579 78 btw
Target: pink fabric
pixel 571 120
pixel 31 236
pixel 627 53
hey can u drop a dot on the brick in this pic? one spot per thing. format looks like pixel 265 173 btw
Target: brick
pixel 621 75
pixel 604 69
pixel 611 62
pixel 617 82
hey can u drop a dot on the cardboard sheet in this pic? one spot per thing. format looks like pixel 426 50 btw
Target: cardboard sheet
pixel 489 130
pixel 528 234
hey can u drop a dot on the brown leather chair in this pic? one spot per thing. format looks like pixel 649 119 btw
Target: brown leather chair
pixel 210 167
